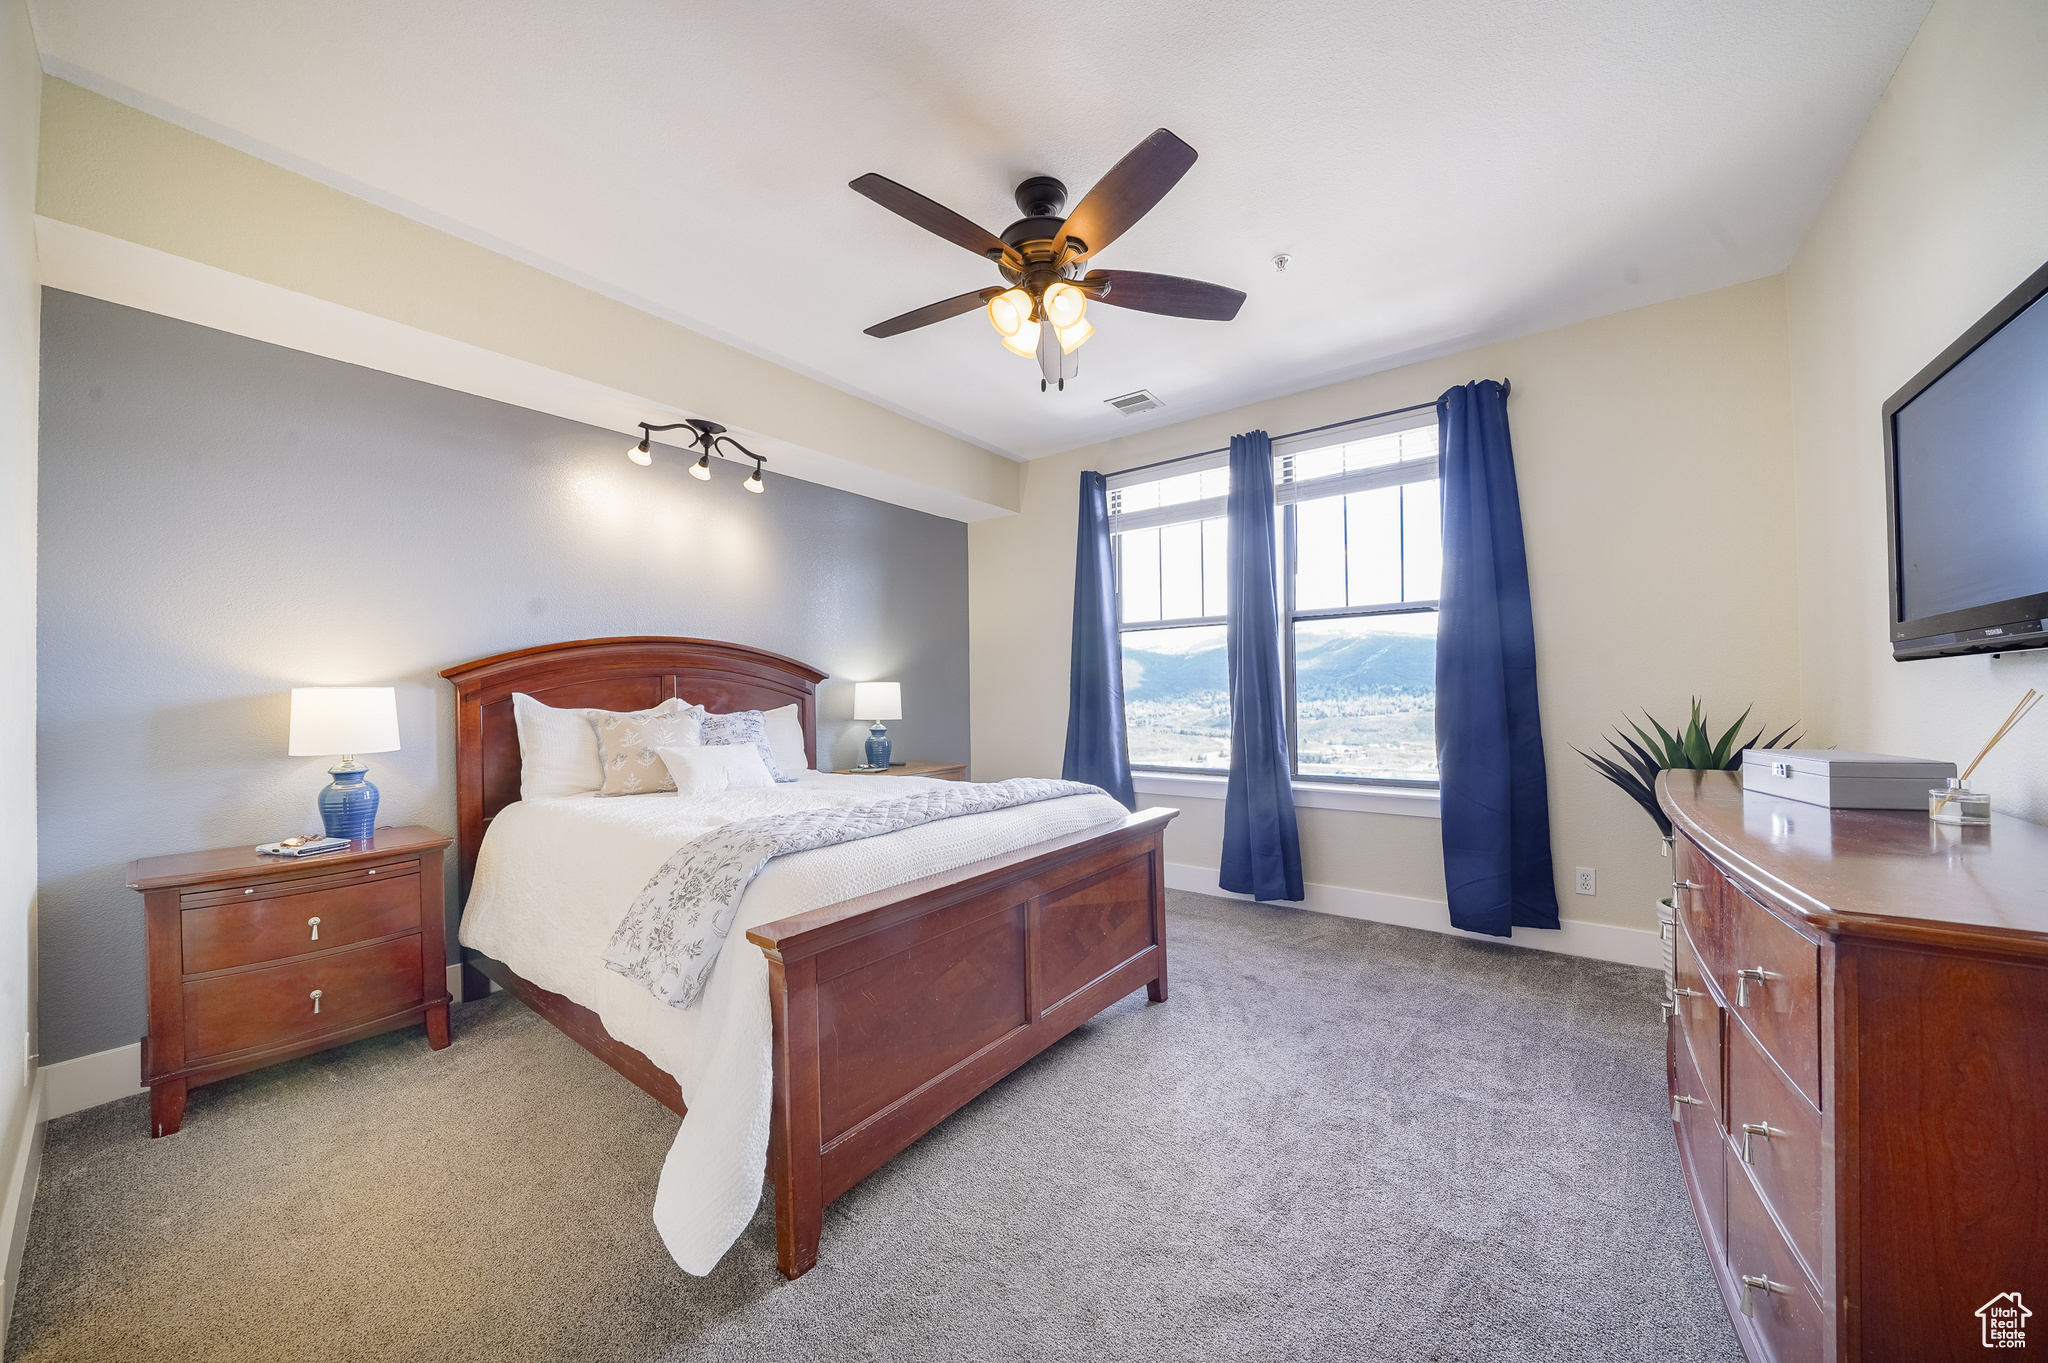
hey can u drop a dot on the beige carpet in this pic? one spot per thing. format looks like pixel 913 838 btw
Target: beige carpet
pixel 1337 1140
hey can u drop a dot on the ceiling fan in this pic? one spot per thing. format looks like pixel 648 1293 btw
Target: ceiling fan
pixel 1043 312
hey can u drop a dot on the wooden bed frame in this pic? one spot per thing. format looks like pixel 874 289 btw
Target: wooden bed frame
pixel 892 1010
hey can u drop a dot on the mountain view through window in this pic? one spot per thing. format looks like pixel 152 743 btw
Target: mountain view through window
pixel 1360 545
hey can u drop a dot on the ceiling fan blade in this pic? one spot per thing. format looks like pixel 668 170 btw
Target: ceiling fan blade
pixel 932 217
pixel 932 312
pixel 1167 294
pixel 1128 192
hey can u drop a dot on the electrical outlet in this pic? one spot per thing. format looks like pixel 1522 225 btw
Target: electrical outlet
pixel 1585 885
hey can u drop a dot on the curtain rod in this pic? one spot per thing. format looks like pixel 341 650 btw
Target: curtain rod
pixel 1506 387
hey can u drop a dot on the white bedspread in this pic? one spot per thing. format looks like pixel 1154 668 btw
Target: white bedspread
pixel 554 877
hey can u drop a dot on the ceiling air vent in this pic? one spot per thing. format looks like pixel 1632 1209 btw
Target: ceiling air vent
pixel 1130 404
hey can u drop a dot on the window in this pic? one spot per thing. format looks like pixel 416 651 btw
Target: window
pixel 1361 554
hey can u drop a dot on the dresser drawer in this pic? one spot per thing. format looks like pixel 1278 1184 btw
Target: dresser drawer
pixel 1699 1015
pixel 1698 1133
pixel 1698 888
pixel 1780 1309
pixel 247 931
pixel 1772 985
pixel 270 1006
pixel 1778 1134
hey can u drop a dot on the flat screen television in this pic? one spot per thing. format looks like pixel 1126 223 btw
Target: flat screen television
pixel 1966 488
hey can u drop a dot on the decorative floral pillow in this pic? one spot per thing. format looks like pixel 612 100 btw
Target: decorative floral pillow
pixel 747 726
pixel 626 744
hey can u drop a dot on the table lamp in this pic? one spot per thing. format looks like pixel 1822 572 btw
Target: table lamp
pixel 878 701
pixel 341 721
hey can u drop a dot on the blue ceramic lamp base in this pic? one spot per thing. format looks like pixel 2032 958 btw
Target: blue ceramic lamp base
pixel 878 746
pixel 348 807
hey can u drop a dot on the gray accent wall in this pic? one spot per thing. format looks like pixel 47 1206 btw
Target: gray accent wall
pixel 223 520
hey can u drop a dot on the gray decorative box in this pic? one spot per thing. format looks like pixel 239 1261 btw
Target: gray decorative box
pixel 1843 780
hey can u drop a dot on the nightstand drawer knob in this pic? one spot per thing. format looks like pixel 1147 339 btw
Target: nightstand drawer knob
pixel 316 1000
pixel 314 923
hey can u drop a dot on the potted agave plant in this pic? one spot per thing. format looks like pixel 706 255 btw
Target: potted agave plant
pixel 1688 748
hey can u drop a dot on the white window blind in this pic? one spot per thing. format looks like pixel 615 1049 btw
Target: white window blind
pixel 1362 457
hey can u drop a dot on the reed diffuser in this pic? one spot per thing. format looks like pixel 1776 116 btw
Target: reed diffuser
pixel 1959 804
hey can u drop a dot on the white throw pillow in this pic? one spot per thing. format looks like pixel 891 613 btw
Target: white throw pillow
pixel 786 737
pixel 557 750
pixel 707 771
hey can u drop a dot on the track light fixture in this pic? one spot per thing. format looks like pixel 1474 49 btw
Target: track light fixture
pixel 711 439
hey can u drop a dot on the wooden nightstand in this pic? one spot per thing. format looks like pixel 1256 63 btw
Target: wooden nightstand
pixel 937 771
pixel 256 959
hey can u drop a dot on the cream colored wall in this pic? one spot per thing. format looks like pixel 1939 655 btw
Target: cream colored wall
pixel 1941 211
pixel 1654 455
pixel 114 170
pixel 20 332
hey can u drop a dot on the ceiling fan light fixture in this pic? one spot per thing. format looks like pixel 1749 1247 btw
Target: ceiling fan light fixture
pixel 1064 305
pixel 1009 312
pixel 1025 342
pixel 1072 336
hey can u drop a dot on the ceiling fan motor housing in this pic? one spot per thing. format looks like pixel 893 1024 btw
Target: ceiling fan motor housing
pixel 1041 196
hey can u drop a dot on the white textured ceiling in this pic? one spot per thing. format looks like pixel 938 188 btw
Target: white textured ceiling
pixel 1442 172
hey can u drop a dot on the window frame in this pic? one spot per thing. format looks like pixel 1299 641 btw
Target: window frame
pixel 1288 537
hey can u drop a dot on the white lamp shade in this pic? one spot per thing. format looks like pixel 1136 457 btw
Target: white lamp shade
pixel 878 700
pixel 334 721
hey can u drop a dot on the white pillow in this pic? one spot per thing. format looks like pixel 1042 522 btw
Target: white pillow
pixel 707 771
pixel 557 750
pixel 786 737
pixel 558 747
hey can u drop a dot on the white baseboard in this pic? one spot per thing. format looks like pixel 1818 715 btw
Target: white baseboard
pixel 21 1200
pixel 1573 937
pixel 74 1085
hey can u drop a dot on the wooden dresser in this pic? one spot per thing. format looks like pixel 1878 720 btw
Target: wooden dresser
pixel 256 959
pixel 1859 1070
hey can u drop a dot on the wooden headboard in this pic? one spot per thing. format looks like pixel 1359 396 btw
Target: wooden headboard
pixel 608 674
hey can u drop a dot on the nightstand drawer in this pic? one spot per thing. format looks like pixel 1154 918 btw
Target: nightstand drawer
pixel 273 1005
pixel 248 931
pixel 314 874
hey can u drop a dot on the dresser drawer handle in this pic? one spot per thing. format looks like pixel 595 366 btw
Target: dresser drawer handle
pixel 1750 1130
pixel 316 1000
pixel 314 924
pixel 1743 979
pixel 1685 993
pixel 1678 1098
pixel 1758 1284
pixel 248 892
pixel 373 873
pixel 1681 886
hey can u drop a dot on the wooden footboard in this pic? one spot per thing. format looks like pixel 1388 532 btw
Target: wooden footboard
pixel 895 1009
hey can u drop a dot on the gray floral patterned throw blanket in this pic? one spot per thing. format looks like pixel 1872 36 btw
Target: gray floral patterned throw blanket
pixel 670 938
